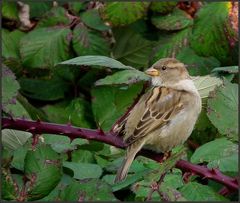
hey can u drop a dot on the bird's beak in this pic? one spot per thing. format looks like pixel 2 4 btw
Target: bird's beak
pixel 152 72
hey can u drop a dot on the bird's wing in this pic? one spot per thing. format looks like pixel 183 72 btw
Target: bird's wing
pixel 161 106
pixel 119 126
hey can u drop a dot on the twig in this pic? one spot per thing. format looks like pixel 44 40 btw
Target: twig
pixel 24 16
pixel 38 127
pixel 155 187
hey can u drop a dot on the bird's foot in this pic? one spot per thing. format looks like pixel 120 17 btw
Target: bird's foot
pixel 166 155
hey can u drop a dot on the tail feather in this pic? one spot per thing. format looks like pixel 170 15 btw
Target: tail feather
pixel 123 170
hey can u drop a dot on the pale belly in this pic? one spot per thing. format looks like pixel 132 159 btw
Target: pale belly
pixel 172 135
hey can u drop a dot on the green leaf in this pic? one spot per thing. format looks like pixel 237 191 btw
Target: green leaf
pixel 67 73
pixel 14 139
pixel 96 61
pixel 92 19
pixel 171 194
pixel 227 69
pixel 213 18
pixel 77 112
pixel 59 143
pixel 124 77
pixel 54 195
pixel 9 10
pixel 7 186
pixel 92 146
pixel 228 72
pixel 10 43
pixel 45 47
pixel 123 13
pixel 223 109
pixel 176 20
pixel 44 90
pixel 89 42
pixel 178 153
pixel 16 110
pixel 43 168
pixel 19 155
pixel 163 7
pixel 57 16
pixel 18 179
pixel 197 65
pixel 10 87
pixel 206 84
pixel 203 121
pixel 109 103
pixel 219 153
pixel 87 190
pixel 82 156
pixel 37 9
pixel 197 192
pixel 113 166
pixel 131 49
pixel 14 64
pixel 76 7
pixel 7 156
pixel 142 188
pixel 174 179
pixel 130 180
pixel 84 170
pixel 223 71
pixel 34 112
pixel 170 45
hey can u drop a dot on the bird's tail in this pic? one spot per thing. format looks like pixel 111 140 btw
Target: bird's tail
pixel 123 170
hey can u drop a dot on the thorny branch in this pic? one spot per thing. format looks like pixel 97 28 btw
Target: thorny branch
pixel 39 127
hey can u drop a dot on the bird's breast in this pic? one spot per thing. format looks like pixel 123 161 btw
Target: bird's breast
pixel 173 134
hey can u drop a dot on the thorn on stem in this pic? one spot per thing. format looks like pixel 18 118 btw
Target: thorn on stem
pixel 214 171
pixel 5 125
pixel 31 129
pixel 67 132
pixel 100 131
pixel 207 177
pixel 235 181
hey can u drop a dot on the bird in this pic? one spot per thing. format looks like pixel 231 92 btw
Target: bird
pixel 164 116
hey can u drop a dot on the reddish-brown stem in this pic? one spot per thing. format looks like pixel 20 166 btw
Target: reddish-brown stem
pixel 38 127
pixel 213 174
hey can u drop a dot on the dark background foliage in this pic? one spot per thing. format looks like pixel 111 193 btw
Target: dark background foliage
pixel 93 92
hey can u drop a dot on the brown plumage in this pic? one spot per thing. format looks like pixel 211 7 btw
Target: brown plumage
pixel 164 116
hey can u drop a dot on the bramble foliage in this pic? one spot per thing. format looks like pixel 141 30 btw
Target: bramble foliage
pixel 82 63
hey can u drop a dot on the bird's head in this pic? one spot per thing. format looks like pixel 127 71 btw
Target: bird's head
pixel 167 71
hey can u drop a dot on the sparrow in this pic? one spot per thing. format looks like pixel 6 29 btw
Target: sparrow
pixel 164 116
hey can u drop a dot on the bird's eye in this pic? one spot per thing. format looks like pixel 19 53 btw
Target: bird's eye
pixel 164 68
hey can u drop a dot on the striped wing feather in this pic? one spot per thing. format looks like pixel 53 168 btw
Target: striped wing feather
pixel 160 106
